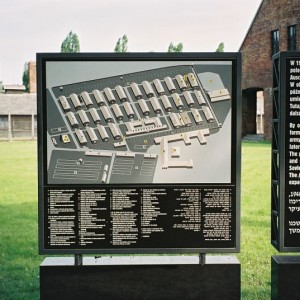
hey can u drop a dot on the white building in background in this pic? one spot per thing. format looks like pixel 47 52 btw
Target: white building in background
pixel 260 113
pixel 18 112
pixel 18 116
pixel 14 89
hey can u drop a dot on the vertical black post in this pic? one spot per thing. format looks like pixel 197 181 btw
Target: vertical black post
pixel 202 258
pixel 78 259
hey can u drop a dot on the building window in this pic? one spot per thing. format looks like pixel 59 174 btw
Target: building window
pixel 274 41
pixel 3 122
pixel 292 38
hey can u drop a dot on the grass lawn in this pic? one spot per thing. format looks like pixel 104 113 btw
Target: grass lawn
pixel 19 259
pixel 256 249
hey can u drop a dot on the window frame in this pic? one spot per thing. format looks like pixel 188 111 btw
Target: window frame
pixel 275 41
pixel 3 121
pixel 292 37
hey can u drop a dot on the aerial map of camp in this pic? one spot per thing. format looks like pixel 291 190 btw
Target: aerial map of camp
pixel 152 126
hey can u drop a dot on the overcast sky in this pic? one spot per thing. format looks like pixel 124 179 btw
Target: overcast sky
pixel 31 26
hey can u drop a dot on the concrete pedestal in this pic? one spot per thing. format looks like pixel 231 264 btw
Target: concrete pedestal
pixel 141 278
pixel 285 271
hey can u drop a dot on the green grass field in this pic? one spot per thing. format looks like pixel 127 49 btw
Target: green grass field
pixel 19 259
pixel 256 249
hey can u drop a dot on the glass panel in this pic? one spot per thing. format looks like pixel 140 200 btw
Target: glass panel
pixel 275 41
pixel 292 40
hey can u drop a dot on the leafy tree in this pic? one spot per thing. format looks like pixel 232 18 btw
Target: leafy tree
pixel 70 44
pixel 1 87
pixel 25 77
pixel 121 45
pixel 175 48
pixel 220 47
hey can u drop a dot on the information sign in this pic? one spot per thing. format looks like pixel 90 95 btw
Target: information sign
pixel 139 153
pixel 286 152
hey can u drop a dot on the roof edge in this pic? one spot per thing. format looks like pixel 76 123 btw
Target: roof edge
pixel 255 16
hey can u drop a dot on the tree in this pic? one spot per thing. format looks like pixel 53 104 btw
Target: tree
pixel 70 43
pixel 121 45
pixel 1 87
pixel 220 47
pixel 175 48
pixel 25 77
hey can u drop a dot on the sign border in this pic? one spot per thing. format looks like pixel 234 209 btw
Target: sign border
pixel 42 58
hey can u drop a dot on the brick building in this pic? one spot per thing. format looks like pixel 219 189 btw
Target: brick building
pixel 276 27
pixel 32 77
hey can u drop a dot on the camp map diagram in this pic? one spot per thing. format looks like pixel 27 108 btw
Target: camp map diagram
pixel 140 127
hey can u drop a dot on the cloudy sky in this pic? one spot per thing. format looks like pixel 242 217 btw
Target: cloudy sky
pixel 31 26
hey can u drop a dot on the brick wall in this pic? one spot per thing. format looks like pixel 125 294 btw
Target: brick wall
pixel 256 48
pixel 268 114
pixel 32 77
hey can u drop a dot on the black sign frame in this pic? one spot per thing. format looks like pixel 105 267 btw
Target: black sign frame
pixel 285 192
pixel 45 189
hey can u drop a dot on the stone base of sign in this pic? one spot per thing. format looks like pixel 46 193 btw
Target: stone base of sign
pixel 141 277
pixel 285 276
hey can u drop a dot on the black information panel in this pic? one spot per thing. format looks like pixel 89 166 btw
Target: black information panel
pixel 139 153
pixel 140 218
pixel 286 153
